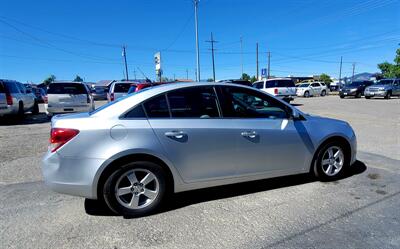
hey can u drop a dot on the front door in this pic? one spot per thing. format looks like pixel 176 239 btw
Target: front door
pixel 268 140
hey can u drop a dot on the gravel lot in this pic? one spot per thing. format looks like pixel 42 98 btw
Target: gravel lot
pixel 359 211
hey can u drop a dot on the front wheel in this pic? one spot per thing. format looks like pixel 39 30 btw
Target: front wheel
pixel 323 93
pixel 330 162
pixel 367 97
pixel 358 95
pixel 388 95
pixel 35 109
pixel 306 94
pixel 135 189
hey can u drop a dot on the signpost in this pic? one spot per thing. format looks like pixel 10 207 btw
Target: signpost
pixel 263 72
pixel 157 61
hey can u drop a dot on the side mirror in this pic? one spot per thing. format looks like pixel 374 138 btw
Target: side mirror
pixel 296 115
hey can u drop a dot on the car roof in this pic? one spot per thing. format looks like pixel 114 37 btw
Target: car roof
pixel 69 82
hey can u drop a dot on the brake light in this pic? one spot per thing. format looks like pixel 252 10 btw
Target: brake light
pixel 276 91
pixel 46 100
pixel 9 99
pixel 112 96
pixel 60 136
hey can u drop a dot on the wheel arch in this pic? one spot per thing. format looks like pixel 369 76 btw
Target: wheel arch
pixel 336 138
pixel 113 164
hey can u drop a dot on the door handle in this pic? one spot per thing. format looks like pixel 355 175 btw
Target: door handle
pixel 175 134
pixel 249 134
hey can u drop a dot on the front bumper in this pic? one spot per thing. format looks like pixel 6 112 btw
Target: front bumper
pixel 353 93
pixel 73 176
pixel 375 94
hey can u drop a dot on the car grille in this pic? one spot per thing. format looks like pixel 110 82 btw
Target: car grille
pixel 373 89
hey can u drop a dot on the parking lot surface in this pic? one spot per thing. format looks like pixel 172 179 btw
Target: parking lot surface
pixel 359 211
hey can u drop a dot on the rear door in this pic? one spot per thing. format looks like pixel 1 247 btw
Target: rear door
pixel 67 96
pixel 195 139
pixel 396 87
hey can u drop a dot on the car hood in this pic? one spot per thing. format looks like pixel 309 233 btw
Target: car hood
pixel 317 118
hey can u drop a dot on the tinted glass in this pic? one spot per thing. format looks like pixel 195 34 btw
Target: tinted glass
pixel 136 112
pixel 66 88
pixel 2 88
pixel 259 85
pixel 11 87
pixel 245 103
pixel 384 82
pixel 193 102
pixel 279 83
pixel 157 107
pixel 303 85
pixel 315 84
pixel 121 88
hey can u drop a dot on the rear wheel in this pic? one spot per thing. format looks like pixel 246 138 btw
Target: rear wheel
pixel 35 109
pixel 306 94
pixel 135 189
pixel 330 162
pixel 21 113
pixel 341 96
pixel 388 95
pixel 323 93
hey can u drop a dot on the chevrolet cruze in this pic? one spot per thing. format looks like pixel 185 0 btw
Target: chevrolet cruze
pixel 176 137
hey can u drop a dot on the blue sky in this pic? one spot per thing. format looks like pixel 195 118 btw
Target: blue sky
pixel 305 37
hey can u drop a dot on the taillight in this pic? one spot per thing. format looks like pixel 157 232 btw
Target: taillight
pixel 60 136
pixel 46 100
pixel 112 96
pixel 276 91
pixel 9 99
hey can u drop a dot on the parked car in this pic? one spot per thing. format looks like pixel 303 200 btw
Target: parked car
pixel 100 92
pixel 40 94
pixel 68 97
pixel 18 99
pixel 280 87
pixel 178 137
pixel 140 86
pixel 384 88
pixel 237 81
pixel 355 88
pixel 119 89
pixel 311 89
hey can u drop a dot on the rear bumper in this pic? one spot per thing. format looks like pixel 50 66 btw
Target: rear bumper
pixel 55 109
pixel 8 110
pixel 70 175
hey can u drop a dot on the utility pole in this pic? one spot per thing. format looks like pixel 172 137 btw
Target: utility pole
pixel 241 53
pixel 354 67
pixel 187 74
pixel 196 2
pixel 212 41
pixel 269 65
pixel 340 70
pixel 257 60
pixel 126 64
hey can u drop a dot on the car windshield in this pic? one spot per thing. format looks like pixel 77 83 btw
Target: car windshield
pixel 66 88
pixel 304 85
pixel 384 82
pixel 356 83
pixel 121 88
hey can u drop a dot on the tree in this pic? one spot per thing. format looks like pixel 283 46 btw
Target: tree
pixel 49 79
pixel 253 79
pixel 78 79
pixel 245 76
pixel 325 78
pixel 390 70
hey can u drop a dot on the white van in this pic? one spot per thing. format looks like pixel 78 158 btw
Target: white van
pixel 66 97
pixel 283 88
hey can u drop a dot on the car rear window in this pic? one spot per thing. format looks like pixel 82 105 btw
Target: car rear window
pixel 2 90
pixel 279 83
pixel 121 88
pixel 66 88
pixel 258 85
pixel 132 89
pixel 11 87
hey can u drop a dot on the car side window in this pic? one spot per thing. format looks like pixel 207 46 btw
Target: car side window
pixel 246 103
pixel 157 107
pixel 21 88
pixel 315 85
pixel 193 102
pixel 136 112
pixel 2 90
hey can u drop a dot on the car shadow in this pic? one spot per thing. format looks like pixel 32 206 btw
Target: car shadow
pixel 28 119
pixel 183 199
pixel 293 104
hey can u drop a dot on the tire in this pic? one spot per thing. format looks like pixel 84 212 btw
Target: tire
pixel 21 113
pixel 35 109
pixel 388 95
pixel 323 93
pixel 367 97
pixel 133 200
pixel 306 94
pixel 328 165
pixel 358 95
pixel 341 96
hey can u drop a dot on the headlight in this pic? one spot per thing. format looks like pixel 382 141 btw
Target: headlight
pixel 353 90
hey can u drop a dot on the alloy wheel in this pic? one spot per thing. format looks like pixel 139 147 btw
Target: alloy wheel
pixel 137 188
pixel 332 161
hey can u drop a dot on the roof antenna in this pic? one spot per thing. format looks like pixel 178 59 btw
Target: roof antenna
pixel 147 79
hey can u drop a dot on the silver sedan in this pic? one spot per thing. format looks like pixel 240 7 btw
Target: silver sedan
pixel 177 137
